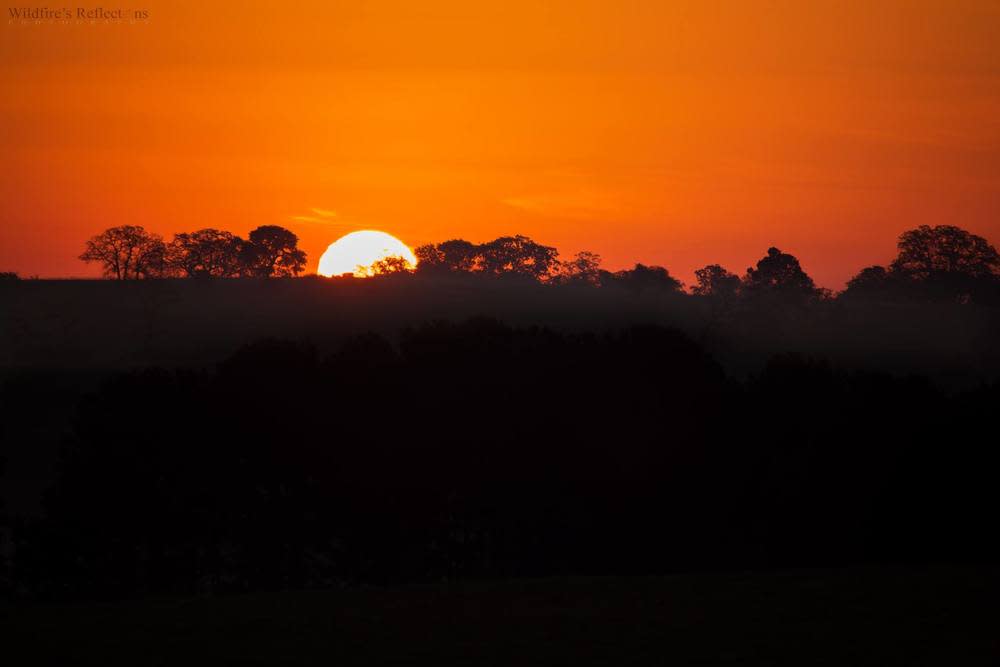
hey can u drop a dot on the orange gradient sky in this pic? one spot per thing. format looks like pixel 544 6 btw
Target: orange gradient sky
pixel 676 133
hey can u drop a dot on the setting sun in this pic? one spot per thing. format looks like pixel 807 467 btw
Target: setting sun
pixel 357 252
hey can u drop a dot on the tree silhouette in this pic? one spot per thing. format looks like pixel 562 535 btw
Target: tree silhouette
pixel 127 252
pixel 927 252
pixel 517 255
pixel 715 281
pixel 584 268
pixel 456 255
pixel 942 263
pixel 504 256
pixel 387 266
pixel 779 275
pixel 206 253
pixel 872 282
pixel 642 278
pixel 272 251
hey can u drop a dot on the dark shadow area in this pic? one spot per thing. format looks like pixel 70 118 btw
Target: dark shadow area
pixel 877 617
pixel 169 440
pixel 478 450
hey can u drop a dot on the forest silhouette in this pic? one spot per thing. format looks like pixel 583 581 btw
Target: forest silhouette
pixel 619 425
pixel 944 263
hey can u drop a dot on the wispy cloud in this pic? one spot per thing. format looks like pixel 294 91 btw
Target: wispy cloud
pixel 320 215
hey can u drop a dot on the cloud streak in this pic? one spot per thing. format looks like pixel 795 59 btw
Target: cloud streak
pixel 320 216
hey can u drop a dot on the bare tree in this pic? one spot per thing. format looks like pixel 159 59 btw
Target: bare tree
pixel 128 252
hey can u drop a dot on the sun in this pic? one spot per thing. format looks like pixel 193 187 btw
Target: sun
pixel 355 253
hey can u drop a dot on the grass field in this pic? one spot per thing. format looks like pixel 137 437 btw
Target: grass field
pixel 906 616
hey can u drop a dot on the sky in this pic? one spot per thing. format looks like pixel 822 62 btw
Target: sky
pixel 678 133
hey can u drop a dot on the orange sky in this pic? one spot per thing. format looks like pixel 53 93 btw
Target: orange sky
pixel 678 133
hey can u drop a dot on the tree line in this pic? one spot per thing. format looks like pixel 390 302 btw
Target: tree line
pixel 942 263
pixel 129 252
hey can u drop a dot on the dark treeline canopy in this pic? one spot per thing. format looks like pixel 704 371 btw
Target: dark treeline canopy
pixel 715 281
pixel 129 252
pixel 520 256
pixel 943 263
pixel 507 255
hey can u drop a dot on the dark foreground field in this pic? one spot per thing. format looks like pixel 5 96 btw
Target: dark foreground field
pixel 927 616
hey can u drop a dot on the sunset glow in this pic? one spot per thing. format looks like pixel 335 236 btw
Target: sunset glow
pixel 673 133
pixel 357 252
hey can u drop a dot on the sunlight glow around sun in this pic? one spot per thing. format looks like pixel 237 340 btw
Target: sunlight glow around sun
pixel 355 253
